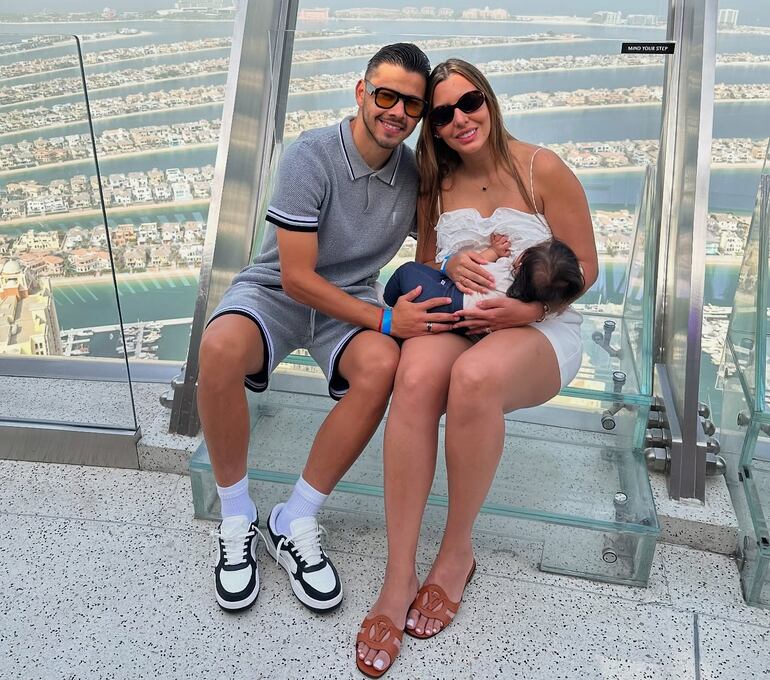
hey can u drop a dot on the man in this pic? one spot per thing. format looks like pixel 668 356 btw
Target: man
pixel 345 200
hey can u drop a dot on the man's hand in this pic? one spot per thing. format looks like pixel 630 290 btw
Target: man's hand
pixel 466 271
pixel 411 319
pixel 497 313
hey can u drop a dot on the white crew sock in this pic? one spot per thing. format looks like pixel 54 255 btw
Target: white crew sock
pixel 305 501
pixel 236 500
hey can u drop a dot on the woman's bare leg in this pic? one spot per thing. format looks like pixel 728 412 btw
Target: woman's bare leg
pixel 511 369
pixel 411 439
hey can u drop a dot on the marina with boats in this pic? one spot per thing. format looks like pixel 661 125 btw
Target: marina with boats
pixel 139 340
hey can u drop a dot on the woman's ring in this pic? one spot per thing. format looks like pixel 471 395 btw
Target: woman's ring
pixel 429 324
pixel 487 330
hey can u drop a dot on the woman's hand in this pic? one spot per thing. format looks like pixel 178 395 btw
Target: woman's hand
pixel 464 268
pixel 498 313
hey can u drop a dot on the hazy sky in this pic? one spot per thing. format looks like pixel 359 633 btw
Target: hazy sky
pixel 751 11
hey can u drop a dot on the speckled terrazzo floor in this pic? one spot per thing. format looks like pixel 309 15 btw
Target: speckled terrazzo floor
pixel 106 575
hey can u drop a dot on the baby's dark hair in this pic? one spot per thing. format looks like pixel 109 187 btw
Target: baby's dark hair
pixel 548 272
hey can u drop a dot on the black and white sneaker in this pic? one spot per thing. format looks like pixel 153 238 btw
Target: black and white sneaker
pixel 312 576
pixel 236 573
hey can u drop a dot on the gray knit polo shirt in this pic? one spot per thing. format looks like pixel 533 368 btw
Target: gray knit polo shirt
pixel 361 216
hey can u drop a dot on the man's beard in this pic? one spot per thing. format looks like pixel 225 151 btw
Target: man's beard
pixel 388 144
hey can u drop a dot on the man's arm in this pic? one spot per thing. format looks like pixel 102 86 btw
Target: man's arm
pixel 298 252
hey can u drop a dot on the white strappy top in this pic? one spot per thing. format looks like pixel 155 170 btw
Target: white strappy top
pixel 466 228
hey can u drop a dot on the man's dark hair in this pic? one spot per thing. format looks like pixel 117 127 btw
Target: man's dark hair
pixel 548 272
pixel 406 55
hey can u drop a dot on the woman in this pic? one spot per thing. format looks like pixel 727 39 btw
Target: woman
pixel 474 175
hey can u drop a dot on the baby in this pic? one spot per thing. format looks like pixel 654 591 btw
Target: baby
pixel 547 272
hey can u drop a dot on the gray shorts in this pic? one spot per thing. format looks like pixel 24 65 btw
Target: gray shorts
pixel 286 325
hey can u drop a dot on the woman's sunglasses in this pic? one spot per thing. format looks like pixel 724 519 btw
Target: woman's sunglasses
pixel 385 98
pixel 468 103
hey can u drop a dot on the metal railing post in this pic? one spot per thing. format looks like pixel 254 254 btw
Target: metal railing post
pixel 252 122
pixel 685 160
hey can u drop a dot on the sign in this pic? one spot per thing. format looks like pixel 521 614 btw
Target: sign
pixel 647 48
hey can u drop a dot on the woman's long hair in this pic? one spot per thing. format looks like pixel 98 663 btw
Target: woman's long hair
pixel 436 161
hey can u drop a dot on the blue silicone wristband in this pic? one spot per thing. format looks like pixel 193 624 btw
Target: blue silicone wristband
pixel 444 263
pixel 387 318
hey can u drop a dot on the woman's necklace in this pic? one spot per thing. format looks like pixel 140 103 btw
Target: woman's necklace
pixel 484 184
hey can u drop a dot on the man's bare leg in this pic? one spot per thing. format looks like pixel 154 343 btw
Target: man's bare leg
pixel 369 364
pixel 231 348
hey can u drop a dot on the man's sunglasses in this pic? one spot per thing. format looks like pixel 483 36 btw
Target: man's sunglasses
pixel 468 103
pixel 385 98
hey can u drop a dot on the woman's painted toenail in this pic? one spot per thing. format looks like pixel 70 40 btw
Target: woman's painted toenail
pixel 378 664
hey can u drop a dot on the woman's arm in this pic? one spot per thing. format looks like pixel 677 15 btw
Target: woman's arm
pixel 426 236
pixel 565 206
pixel 566 209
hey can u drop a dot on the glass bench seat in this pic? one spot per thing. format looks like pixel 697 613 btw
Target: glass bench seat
pixel 745 421
pixel 573 475
pixel 755 574
pixel 582 492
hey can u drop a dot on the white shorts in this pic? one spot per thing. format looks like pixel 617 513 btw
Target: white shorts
pixel 563 332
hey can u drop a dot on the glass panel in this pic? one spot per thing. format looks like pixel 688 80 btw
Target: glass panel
pixel 736 413
pixel 48 184
pixel 748 312
pixel 638 309
pixel 599 507
pixel 740 141
pixel 756 570
pixel 560 84
pixel 739 232
pixel 744 437
pixel 157 94
pixel 156 84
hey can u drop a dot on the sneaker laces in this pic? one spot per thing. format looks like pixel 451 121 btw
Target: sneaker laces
pixel 307 542
pixel 235 543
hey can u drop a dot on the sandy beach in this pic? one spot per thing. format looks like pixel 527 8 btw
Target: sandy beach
pixel 34 131
pixel 756 165
pixel 106 277
pixel 79 92
pixel 111 212
pixel 8 174
pixel 729 260
pixel 454 47
pixel 738 166
pixel 102 157
pixel 587 107
pixel 54 71
pixel 84 38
